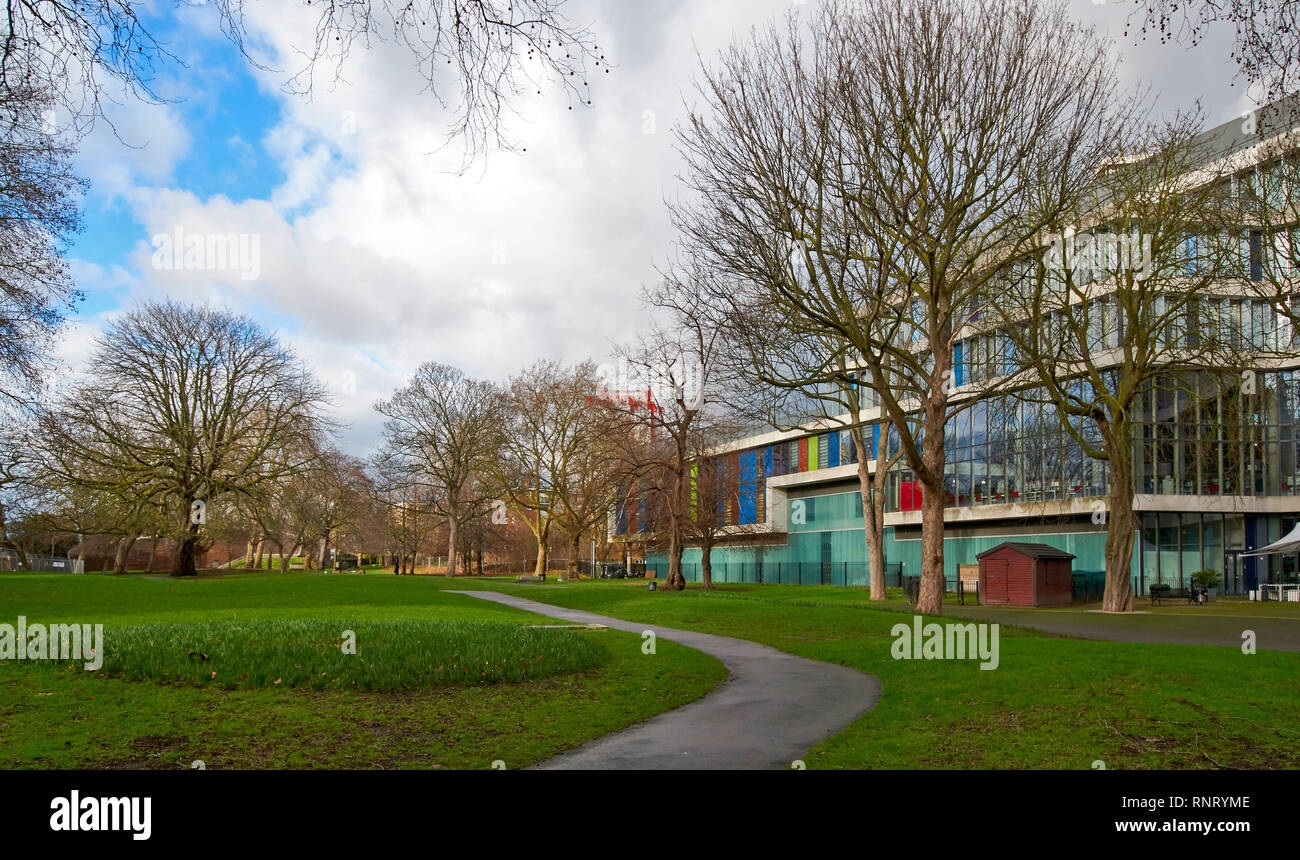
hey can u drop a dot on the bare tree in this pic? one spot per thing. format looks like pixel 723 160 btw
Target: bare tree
pixel 39 199
pixel 1130 295
pixel 562 463
pixel 1266 35
pixel 442 432
pixel 337 488
pixel 182 405
pixel 804 377
pixel 673 364
pixel 1263 192
pixel 861 176
pixel 409 520
pixel 539 441
pixel 477 55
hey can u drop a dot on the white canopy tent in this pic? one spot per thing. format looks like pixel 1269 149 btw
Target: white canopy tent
pixel 1286 546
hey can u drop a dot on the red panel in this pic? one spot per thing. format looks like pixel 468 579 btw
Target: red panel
pixel 909 496
pixel 803 454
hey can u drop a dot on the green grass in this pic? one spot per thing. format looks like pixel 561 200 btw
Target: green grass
pixel 319 655
pixel 587 684
pixel 1051 703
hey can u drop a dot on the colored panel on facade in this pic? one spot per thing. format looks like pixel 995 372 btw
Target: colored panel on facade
pixel 958 368
pixel 733 489
pixel 832 449
pixel 748 511
pixel 695 494
pixel 814 453
pixel 909 496
pixel 803 454
pixel 767 460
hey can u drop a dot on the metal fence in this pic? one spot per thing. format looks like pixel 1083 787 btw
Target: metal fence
pixel 1089 585
pixel 10 561
pixel 843 573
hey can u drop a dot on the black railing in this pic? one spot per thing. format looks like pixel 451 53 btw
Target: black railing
pixel 841 573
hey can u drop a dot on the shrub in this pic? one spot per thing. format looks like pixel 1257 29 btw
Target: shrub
pixel 1206 578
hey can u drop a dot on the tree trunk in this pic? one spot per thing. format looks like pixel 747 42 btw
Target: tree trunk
pixel 571 573
pixel 451 546
pixel 1121 522
pixel 153 553
pixel 478 561
pixel 543 536
pixel 676 581
pixel 930 599
pixel 706 564
pixel 185 552
pixel 873 514
pixel 123 550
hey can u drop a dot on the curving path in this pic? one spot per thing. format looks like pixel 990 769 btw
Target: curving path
pixel 770 712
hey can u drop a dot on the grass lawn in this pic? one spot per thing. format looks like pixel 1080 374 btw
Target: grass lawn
pixel 416 702
pixel 1051 703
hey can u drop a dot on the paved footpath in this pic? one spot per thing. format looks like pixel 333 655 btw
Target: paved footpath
pixel 773 709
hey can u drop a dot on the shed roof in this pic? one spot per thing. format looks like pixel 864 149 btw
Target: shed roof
pixel 1033 550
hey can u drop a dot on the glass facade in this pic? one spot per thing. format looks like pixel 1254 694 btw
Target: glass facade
pixel 1199 435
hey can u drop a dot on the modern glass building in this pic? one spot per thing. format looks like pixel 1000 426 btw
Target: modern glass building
pixel 1215 472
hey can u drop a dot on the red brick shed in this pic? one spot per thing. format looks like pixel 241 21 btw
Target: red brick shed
pixel 1025 574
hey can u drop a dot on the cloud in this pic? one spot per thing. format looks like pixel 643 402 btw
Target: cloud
pixel 375 254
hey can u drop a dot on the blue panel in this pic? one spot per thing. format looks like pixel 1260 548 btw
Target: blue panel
pixel 748 513
pixel 958 370
pixel 767 461
pixel 833 450
pixel 875 441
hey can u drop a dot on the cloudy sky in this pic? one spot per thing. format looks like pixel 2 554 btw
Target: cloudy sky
pixel 375 255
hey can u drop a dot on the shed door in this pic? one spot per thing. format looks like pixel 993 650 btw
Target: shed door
pixel 995 580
